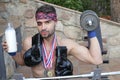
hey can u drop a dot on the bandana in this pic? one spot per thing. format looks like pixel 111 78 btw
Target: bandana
pixel 50 16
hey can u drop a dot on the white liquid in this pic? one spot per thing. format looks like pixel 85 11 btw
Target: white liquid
pixel 10 36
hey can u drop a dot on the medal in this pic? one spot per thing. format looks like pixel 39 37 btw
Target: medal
pixel 48 73
pixel 48 58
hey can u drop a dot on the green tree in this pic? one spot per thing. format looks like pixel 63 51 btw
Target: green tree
pixel 72 4
pixel 101 7
pixel 115 10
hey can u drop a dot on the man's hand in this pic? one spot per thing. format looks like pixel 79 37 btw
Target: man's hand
pixel 5 46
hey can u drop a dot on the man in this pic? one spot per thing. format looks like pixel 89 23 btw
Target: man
pixel 46 19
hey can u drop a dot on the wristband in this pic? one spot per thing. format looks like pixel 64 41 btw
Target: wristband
pixel 12 53
pixel 91 34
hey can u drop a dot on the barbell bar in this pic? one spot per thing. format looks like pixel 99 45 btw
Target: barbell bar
pixel 76 76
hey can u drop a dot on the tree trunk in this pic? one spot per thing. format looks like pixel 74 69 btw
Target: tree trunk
pixel 115 10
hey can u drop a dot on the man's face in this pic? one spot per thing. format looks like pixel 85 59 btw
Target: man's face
pixel 46 27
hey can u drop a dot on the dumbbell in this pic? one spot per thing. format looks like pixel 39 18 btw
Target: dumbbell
pixel 89 21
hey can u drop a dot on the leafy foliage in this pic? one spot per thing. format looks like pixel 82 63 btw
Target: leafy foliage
pixel 101 7
pixel 72 4
pixel 86 4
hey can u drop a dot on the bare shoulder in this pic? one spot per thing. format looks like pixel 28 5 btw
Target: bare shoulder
pixel 27 43
pixel 70 44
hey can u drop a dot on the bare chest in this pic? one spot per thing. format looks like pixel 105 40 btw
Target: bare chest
pixel 41 71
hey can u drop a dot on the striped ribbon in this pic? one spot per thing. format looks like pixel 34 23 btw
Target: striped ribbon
pixel 48 57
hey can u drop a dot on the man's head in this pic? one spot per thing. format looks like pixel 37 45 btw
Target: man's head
pixel 46 12
pixel 46 19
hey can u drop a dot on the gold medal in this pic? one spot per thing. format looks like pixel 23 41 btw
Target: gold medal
pixel 49 73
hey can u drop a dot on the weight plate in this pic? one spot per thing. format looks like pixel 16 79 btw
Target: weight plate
pixel 89 20
pixel 88 12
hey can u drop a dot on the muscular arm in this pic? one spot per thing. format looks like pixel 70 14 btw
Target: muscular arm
pixel 25 46
pixel 95 51
pixel 93 55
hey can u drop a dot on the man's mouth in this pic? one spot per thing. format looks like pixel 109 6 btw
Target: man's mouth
pixel 44 32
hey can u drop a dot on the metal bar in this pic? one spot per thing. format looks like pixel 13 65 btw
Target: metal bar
pixel 2 63
pixel 62 77
pixel 75 76
pixel 19 41
pixel 19 38
pixel 111 73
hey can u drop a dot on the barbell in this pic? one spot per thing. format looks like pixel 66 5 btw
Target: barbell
pixel 75 76
pixel 89 21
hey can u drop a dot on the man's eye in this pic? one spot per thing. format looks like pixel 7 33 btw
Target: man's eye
pixel 39 23
pixel 47 22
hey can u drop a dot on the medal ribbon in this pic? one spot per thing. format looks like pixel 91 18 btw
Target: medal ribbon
pixel 48 57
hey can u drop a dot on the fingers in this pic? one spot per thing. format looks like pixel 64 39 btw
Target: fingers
pixel 5 46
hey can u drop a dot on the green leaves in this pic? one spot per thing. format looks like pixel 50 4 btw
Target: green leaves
pixel 72 4
pixel 101 7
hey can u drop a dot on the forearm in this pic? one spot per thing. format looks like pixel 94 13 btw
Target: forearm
pixel 19 59
pixel 95 51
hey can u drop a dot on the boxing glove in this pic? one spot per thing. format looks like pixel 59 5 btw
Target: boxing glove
pixel 32 56
pixel 63 66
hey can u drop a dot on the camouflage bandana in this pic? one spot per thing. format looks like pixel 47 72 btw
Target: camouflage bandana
pixel 50 16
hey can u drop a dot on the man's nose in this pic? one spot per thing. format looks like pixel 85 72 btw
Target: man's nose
pixel 43 26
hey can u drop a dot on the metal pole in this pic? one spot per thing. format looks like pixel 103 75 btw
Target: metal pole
pixel 110 73
pixel 19 41
pixel 2 62
pixel 75 76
